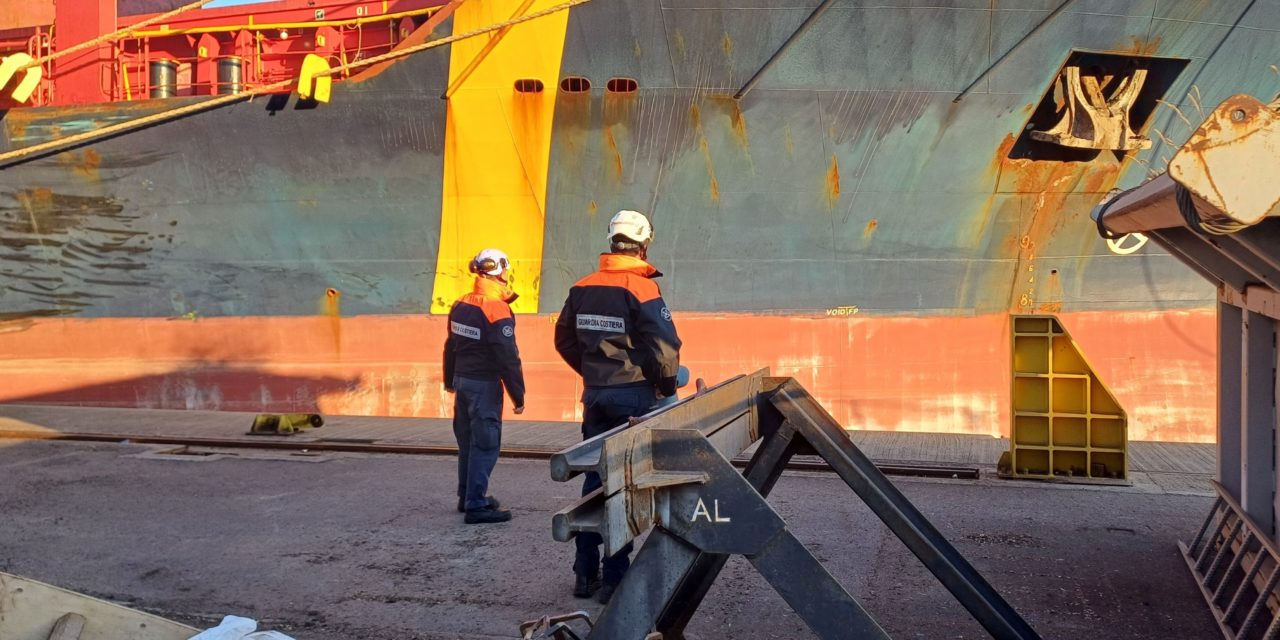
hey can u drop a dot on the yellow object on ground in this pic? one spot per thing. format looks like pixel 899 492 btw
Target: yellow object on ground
pixel 1066 423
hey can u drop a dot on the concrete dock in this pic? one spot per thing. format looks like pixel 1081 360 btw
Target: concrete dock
pixel 337 545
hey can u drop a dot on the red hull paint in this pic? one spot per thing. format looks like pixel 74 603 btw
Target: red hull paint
pixel 938 374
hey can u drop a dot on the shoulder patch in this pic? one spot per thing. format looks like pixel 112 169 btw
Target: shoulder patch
pixel 666 314
pixel 644 289
pixel 509 331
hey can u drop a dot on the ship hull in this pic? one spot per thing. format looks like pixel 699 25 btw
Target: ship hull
pixel 847 221
pixel 937 374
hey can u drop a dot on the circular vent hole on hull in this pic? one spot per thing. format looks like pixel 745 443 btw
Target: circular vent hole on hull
pixel 575 84
pixel 528 85
pixel 622 85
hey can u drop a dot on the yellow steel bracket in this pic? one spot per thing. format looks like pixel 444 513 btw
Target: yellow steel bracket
pixel 1067 425
pixel 20 63
pixel 1223 160
pixel 314 83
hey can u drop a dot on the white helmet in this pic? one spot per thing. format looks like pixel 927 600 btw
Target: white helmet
pixel 631 225
pixel 490 262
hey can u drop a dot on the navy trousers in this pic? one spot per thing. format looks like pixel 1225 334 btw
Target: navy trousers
pixel 477 425
pixel 602 410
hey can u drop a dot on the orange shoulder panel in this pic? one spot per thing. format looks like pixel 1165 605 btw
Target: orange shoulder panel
pixel 645 289
pixel 641 287
pixel 495 310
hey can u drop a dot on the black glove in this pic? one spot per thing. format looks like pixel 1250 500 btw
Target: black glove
pixel 667 387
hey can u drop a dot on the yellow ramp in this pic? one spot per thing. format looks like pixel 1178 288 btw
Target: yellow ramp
pixel 497 146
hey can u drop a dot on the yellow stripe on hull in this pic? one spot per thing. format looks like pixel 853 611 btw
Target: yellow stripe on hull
pixel 497 148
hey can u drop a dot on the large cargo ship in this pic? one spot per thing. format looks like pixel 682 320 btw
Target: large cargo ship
pixel 858 194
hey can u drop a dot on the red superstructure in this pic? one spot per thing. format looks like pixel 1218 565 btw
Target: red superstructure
pixel 198 52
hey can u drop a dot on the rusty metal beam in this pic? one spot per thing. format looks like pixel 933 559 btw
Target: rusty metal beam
pixel 1230 375
pixel 1260 300
pixel 1188 247
pixel 1257 419
pixel 1186 259
pixel 1148 207
pixel 1257 267
pixel 1263 241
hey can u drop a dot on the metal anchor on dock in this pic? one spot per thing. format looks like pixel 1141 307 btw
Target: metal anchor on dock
pixel 670 474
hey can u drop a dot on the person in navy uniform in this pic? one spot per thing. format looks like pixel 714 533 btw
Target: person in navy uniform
pixel 617 333
pixel 480 358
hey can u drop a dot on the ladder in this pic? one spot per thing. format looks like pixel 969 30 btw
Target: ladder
pixel 1235 564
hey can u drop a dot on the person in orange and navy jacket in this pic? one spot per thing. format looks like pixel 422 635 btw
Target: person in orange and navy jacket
pixel 480 358
pixel 616 332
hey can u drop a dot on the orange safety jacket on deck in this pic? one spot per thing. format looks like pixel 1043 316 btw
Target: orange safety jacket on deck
pixel 482 339
pixel 615 330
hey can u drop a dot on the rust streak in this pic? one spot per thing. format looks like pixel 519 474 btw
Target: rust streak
pixel 1142 47
pixel 84 164
pixel 695 117
pixel 1054 293
pixel 332 308
pixel 739 124
pixel 833 182
pixel 612 145
pixel 1048 186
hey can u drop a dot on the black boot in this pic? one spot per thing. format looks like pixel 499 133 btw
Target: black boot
pixel 606 593
pixel 486 516
pixel 584 586
pixel 462 504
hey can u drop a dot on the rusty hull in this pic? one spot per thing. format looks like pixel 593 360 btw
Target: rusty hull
pixel 845 222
